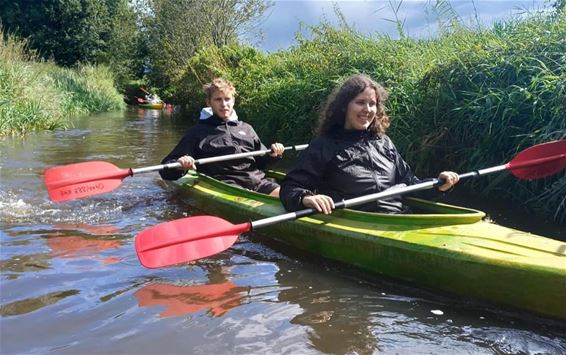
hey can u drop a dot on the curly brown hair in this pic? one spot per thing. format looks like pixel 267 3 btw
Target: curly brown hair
pixel 333 114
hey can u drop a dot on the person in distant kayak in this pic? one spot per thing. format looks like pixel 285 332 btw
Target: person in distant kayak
pixel 351 156
pixel 219 132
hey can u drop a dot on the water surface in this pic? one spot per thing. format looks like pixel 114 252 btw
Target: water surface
pixel 71 282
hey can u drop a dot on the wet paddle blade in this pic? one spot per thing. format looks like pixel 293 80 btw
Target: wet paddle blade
pixel 539 161
pixel 186 239
pixel 79 180
pixel 84 189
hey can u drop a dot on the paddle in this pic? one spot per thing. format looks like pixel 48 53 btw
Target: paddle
pixel 198 237
pixel 80 180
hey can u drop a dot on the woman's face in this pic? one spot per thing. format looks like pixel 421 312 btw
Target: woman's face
pixel 222 104
pixel 361 110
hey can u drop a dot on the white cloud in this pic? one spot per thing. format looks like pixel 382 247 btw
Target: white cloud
pixel 376 16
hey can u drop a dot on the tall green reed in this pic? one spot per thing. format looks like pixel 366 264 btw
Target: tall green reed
pixel 37 95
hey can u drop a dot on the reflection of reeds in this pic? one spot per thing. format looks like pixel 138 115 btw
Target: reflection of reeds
pixel 467 99
pixel 35 94
pixel 32 304
pixel 496 103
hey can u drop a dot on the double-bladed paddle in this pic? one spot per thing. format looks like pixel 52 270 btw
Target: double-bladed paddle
pixel 198 237
pixel 80 180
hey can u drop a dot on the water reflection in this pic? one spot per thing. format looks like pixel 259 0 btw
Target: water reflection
pixel 17 264
pixel 73 245
pixel 338 316
pixel 357 313
pixel 62 289
pixel 90 229
pixel 29 305
pixel 144 114
pixel 216 297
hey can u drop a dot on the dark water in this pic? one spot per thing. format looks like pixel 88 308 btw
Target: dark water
pixel 71 282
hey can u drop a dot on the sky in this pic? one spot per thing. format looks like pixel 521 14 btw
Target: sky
pixel 376 16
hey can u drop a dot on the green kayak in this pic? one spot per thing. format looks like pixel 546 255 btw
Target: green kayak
pixel 445 247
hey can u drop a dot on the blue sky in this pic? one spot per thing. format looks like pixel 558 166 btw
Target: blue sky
pixel 371 16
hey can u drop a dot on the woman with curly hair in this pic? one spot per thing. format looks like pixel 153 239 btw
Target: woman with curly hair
pixel 351 155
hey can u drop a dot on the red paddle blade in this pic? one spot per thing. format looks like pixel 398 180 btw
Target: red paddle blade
pixel 539 161
pixel 79 180
pixel 186 239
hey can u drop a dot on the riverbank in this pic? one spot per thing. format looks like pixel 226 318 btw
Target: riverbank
pixel 38 95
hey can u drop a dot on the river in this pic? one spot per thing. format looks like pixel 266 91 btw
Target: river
pixel 71 282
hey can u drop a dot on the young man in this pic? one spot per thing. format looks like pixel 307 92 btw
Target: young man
pixel 219 132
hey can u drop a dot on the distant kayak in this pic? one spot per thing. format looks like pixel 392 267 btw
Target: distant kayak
pixel 150 105
pixel 151 102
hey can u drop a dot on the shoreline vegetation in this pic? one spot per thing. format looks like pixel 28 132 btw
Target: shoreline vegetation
pixel 467 99
pixel 39 95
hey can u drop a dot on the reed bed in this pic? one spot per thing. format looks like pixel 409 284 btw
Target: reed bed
pixel 38 95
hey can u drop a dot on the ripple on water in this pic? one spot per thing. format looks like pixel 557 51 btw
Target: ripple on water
pixel 16 210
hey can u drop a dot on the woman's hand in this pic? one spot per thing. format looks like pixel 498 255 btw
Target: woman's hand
pixel 451 178
pixel 187 162
pixel 277 150
pixel 321 203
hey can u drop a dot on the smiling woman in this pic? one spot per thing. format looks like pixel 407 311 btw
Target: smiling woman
pixel 361 110
pixel 352 156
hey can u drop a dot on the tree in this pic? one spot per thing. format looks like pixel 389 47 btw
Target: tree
pixel 75 31
pixel 229 20
pixel 177 29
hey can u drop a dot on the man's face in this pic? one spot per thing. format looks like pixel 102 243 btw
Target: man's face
pixel 222 104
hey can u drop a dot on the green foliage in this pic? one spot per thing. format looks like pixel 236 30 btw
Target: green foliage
pixel 26 99
pixel 36 95
pixel 176 29
pixel 468 99
pixel 88 89
pixel 78 31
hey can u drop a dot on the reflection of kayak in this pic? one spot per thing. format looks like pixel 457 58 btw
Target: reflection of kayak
pixel 178 300
pixel 447 247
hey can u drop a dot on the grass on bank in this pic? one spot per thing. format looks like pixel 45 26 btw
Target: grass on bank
pixel 38 95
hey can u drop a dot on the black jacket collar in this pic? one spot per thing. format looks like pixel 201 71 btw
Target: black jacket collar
pixel 217 121
pixel 351 134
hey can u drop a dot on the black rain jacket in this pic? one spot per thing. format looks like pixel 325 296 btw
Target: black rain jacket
pixel 214 137
pixel 348 164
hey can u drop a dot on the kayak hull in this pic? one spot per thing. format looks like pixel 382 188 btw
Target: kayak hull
pixel 449 248
pixel 158 106
pixel 154 106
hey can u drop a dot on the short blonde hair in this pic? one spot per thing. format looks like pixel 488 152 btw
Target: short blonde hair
pixel 218 84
